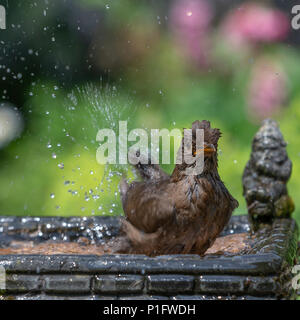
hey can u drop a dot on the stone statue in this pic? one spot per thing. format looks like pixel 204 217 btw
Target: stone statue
pixel 266 175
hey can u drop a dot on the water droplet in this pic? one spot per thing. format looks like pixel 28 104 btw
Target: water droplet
pixel 61 165
pixel 52 195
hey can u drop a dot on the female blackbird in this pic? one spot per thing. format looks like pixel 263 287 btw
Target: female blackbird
pixel 181 213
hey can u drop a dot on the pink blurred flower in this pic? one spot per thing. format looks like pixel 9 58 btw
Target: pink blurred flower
pixel 267 90
pixel 191 15
pixel 255 23
pixel 189 22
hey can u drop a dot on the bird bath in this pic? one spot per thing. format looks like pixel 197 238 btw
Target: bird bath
pixel 68 266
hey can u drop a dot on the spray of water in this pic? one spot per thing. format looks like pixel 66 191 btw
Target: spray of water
pixel 96 108
pixel 86 110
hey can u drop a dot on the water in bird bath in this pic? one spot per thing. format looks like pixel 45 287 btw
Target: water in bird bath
pixel 228 245
pixel 93 236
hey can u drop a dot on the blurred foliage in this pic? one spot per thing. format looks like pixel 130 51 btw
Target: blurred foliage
pixel 130 70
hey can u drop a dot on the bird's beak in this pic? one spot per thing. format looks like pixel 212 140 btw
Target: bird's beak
pixel 208 148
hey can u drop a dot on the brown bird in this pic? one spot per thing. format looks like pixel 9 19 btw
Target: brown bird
pixel 181 213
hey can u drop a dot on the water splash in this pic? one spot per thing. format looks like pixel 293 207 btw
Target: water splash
pixel 86 110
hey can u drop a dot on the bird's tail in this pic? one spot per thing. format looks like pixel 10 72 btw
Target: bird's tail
pixel 147 170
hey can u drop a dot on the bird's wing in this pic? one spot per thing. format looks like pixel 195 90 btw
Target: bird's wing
pixel 151 172
pixel 148 206
pixel 146 169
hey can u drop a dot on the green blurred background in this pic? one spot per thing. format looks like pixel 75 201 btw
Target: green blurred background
pixel 70 68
